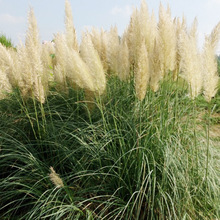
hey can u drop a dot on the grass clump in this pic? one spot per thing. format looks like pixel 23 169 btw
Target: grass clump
pixel 113 128
pixel 124 160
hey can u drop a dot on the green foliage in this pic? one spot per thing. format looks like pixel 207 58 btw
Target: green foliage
pixel 118 159
pixel 5 41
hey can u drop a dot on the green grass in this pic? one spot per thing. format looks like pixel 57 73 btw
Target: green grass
pixel 5 41
pixel 122 159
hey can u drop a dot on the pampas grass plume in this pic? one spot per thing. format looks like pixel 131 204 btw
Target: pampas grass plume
pixel 92 59
pixel 78 73
pixel 190 63
pixel 112 50
pixel 34 68
pixel 210 74
pixel 5 85
pixel 71 38
pixel 99 40
pixel 167 34
pixel 123 61
pixel 142 74
pixel 156 66
pixel 215 36
pixel 60 72
pixel 8 58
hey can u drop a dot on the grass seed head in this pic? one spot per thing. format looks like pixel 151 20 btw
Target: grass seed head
pixel 70 34
pixel 142 74
pixel 55 178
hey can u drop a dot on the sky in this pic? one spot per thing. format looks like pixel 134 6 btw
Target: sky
pixel 98 13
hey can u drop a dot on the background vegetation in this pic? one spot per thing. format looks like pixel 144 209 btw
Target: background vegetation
pixel 5 41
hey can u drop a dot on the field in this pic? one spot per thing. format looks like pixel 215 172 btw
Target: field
pixel 82 137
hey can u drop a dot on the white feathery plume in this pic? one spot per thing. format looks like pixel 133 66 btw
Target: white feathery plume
pixel 70 34
pixel 142 74
pixel 60 72
pixel 190 63
pixel 167 34
pixel 5 86
pixel 92 59
pixel 34 82
pixel 8 58
pixel 112 50
pixel 156 66
pixel 123 61
pixel 210 73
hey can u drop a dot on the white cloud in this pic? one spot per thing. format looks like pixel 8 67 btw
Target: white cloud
pixel 125 11
pixel 216 2
pixel 10 19
pixel 212 4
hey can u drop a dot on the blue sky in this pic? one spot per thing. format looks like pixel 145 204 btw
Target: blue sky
pixel 97 13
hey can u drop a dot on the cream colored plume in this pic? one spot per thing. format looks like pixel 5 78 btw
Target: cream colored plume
pixel 210 73
pixel 70 34
pixel 70 69
pixel 193 30
pixel 5 86
pixel 60 72
pixel 92 59
pixel 78 73
pixel 134 37
pixel 179 29
pixel 34 81
pixel 112 50
pixel 48 50
pixel 8 61
pixel 190 64
pixel 103 52
pixel 167 34
pixel 156 66
pixel 25 82
pixel 123 61
pixel 99 40
pixel 215 37
pixel 95 35
pixel 142 74
pixel 148 26
pixel 55 178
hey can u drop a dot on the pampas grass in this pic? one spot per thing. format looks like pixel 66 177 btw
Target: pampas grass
pixel 60 71
pixel 134 38
pixel 47 57
pixel 112 50
pixel 167 36
pixel 119 149
pixel 93 61
pixel 210 71
pixel 191 71
pixel 170 45
pixel 8 59
pixel 70 33
pixel 99 40
pixel 123 61
pixel 78 73
pixel 142 74
pixel 5 86
pixel 32 71
pixel 24 66
pixel 156 66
